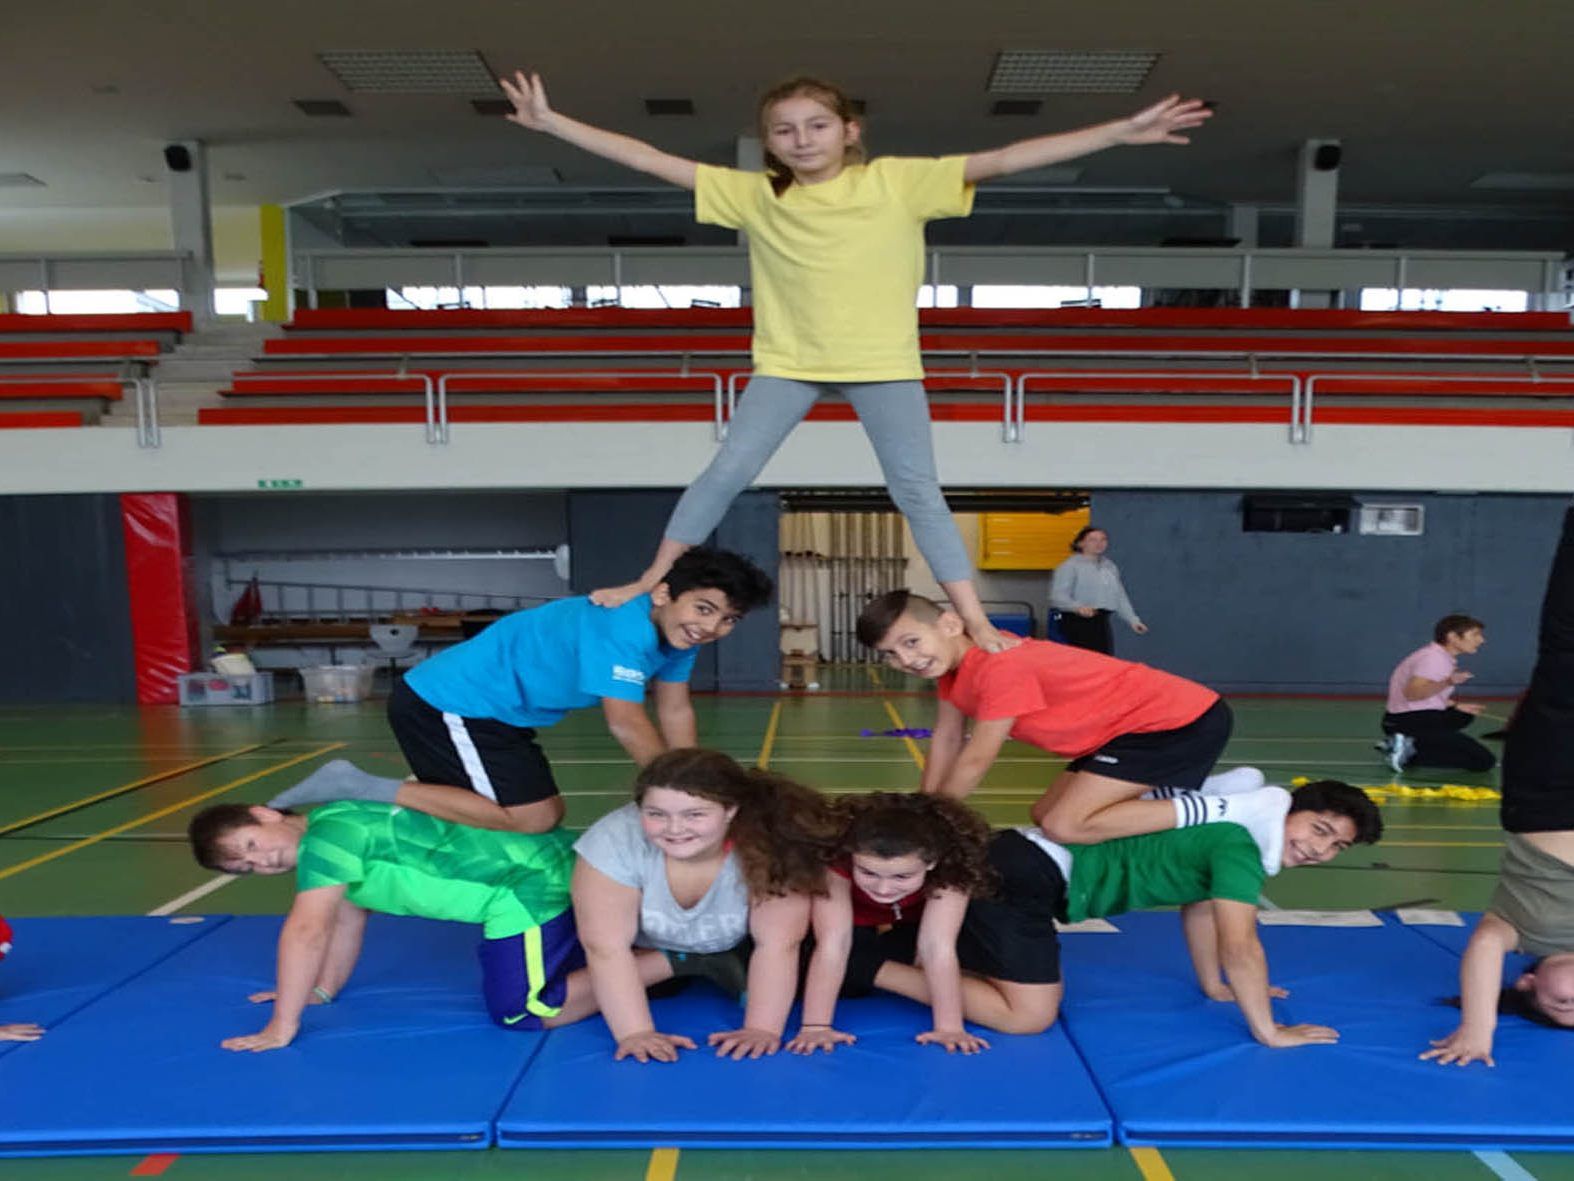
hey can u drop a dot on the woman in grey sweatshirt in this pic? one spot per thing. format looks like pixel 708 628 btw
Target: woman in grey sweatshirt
pixel 1086 590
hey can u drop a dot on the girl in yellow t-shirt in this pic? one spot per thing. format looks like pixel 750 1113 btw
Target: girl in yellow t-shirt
pixel 836 260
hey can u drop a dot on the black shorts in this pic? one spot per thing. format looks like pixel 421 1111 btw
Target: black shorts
pixel 1182 757
pixel 501 762
pixel 1010 936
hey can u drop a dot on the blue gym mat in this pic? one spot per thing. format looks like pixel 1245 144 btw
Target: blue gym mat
pixel 57 966
pixel 1179 1070
pixel 883 1092
pixel 407 1058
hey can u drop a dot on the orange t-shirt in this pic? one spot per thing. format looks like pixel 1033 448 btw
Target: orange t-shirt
pixel 1070 701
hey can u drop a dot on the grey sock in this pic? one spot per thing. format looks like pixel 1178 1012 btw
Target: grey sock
pixel 338 780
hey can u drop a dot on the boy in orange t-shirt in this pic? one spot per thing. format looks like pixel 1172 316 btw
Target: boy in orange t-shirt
pixel 1142 742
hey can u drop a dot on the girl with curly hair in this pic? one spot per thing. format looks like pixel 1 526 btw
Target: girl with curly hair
pixel 921 880
pixel 708 872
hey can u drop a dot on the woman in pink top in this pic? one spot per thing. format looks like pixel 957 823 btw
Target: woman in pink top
pixel 1425 727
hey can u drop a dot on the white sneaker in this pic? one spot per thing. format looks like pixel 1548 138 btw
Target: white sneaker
pixel 1262 814
pixel 1402 748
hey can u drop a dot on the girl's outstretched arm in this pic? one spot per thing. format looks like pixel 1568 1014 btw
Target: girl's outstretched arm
pixel 1162 123
pixel 532 111
pixel 1480 980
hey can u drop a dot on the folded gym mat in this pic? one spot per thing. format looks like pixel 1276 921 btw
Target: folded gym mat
pixel 406 1058
pixel 884 1092
pixel 1178 1069
pixel 59 965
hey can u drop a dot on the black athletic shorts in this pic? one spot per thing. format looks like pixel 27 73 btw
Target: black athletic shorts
pixel 1010 936
pixel 1182 757
pixel 501 762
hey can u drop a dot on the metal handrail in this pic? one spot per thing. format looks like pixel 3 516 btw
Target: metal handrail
pixel 144 397
pixel 441 422
pixel 1294 380
pixel 737 377
pixel 400 374
pixel 1532 379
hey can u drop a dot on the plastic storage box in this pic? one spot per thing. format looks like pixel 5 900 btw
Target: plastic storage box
pixel 333 684
pixel 217 689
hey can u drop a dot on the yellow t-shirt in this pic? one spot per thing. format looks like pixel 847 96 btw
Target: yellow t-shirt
pixel 836 266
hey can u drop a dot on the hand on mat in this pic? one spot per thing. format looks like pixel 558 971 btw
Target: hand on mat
pixel 1223 992
pixel 262 998
pixel 21 1031
pixel 739 1044
pixel 821 1037
pixel 1285 1037
pixel 953 1040
pixel 270 1037
pixel 650 1046
pixel 1460 1048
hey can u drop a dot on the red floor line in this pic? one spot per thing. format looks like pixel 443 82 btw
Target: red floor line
pixel 154 1165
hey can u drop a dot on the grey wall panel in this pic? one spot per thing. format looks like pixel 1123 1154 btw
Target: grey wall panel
pixel 613 534
pixel 63 587
pixel 1302 612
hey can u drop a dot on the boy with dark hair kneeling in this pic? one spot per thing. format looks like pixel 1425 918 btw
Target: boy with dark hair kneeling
pixel 467 718
pixel 355 856
pixel 1215 874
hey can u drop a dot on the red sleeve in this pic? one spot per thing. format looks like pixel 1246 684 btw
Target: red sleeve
pixel 1007 688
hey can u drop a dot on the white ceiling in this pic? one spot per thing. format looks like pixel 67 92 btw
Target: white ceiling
pixel 1426 94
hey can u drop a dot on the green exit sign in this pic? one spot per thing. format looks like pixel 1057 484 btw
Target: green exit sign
pixel 274 484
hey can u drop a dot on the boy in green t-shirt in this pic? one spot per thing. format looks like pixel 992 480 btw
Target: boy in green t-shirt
pixel 355 856
pixel 1215 874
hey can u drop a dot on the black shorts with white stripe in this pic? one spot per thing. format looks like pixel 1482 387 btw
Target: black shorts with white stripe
pixel 501 762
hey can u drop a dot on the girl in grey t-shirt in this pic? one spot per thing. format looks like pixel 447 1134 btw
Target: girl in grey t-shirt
pixel 708 855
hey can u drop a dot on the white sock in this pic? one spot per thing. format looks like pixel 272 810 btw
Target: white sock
pixel 1221 783
pixel 1193 808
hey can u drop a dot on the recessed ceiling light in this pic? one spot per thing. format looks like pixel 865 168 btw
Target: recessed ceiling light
pixel 669 106
pixel 322 108
pixel 492 106
pixel 419 71
pixel 1525 181
pixel 1062 71
pixel 1016 106
pixel 19 180
pixel 234 176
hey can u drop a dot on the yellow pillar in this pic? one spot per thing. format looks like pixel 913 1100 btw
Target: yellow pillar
pixel 275 265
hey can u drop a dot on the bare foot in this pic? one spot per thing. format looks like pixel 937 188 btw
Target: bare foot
pixel 616 596
pixel 984 634
pixel 21 1031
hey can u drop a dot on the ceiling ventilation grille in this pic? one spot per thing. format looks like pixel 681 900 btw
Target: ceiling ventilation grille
pixel 1059 71
pixel 420 71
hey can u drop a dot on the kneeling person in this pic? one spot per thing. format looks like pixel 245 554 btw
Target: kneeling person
pixel 355 856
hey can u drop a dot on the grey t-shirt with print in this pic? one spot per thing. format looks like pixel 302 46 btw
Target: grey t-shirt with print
pixel 616 846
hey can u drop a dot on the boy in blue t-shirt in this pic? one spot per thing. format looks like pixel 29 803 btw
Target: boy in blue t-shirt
pixel 467 718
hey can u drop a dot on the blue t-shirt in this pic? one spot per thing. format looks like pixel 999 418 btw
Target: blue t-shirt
pixel 532 667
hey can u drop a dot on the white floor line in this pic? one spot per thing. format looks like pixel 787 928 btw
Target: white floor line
pixel 192 895
pixel 1505 1166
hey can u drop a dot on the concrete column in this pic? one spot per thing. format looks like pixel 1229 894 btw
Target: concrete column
pixel 191 221
pixel 1316 206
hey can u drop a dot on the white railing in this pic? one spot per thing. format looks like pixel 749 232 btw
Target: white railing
pixel 1242 271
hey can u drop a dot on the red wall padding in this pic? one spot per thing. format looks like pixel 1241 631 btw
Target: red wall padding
pixel 163 624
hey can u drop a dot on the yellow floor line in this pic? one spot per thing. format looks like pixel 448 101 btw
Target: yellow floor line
pixel 1151 1165
pixel 912 747
pixel 172 773
pixel 764 759
pixel 663 1164
pixel 12 871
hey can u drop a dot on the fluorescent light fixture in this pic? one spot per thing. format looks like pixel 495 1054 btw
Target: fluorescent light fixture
pixel 416 71
pixel 669 106
pixel 1065 71
pixel 1546 182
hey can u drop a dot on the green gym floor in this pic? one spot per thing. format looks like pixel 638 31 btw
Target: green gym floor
pixel 94 801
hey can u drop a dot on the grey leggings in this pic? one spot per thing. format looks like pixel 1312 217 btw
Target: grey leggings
pixel 895 416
